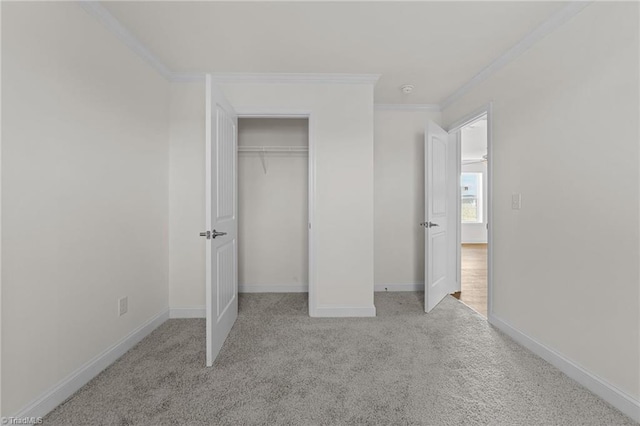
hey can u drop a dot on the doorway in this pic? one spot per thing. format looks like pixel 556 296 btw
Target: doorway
pixel 474 207
pixel 221 208
pixel 273 204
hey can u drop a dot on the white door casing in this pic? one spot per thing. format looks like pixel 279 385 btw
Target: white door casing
pixel 221 219
pixel 440 227
pixel 454 129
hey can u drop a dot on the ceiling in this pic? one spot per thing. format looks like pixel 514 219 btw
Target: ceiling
pixel 435 46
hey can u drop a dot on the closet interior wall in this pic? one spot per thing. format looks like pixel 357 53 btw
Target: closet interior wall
pixel 273 205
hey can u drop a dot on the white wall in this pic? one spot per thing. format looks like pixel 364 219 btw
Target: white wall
pixel 565 136
pixel 342 129
pixel 186 196
pixel 272 207
pixel 474 140
pixel 84 194
pixel 399 197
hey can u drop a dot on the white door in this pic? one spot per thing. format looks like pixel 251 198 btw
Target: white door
pixel 221 219
pixel 441 191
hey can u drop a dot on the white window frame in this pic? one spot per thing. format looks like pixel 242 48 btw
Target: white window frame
pixel 479 195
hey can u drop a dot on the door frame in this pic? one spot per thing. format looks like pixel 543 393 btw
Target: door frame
pixel 265 112
pixel 485 110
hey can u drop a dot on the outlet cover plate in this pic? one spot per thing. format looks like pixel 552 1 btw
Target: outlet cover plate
pixel 123 306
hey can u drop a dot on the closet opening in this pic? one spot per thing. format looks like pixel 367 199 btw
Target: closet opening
pixel 273 206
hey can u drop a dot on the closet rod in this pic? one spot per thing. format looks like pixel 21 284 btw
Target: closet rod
pixel 273 149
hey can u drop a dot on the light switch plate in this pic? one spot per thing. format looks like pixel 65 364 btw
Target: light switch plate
pixel 516 201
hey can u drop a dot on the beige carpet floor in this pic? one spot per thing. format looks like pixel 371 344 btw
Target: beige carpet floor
pixel 280 367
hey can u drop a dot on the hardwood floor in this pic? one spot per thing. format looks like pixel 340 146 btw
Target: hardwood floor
pixel 474 277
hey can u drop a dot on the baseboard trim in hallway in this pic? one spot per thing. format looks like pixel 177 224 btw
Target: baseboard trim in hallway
pixel 614 396
pixel 80 377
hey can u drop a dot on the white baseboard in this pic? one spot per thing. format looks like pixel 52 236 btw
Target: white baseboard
pixel 614 396
pixel 56 395
pixel 273 288
pixel 189 312
pixel 399 287
pixel 201 311
pixel 321 311
pixel 344 311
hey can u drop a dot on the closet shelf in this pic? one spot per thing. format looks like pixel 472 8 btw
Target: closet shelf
pixel 275 149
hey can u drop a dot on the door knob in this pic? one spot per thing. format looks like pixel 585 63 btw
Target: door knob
pixel 215 233
pixel 429 224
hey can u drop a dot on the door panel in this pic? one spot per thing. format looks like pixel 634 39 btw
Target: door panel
pixel 226 278
pixel 221 220
pixel 225 165
pixel 438 171
pixel 440 215
pixel 439 258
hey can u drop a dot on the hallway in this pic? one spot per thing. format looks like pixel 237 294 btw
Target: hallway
pixel 474 277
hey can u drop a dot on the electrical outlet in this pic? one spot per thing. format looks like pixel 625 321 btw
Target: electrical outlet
pixel 123 306
pixel 516 201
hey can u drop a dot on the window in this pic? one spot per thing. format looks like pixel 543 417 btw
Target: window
pixel 471 197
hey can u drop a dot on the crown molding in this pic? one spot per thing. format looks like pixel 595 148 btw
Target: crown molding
pixel 407 107
pixel 290 78
pixel 98 11
pixel 276 78
pixel 553 22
